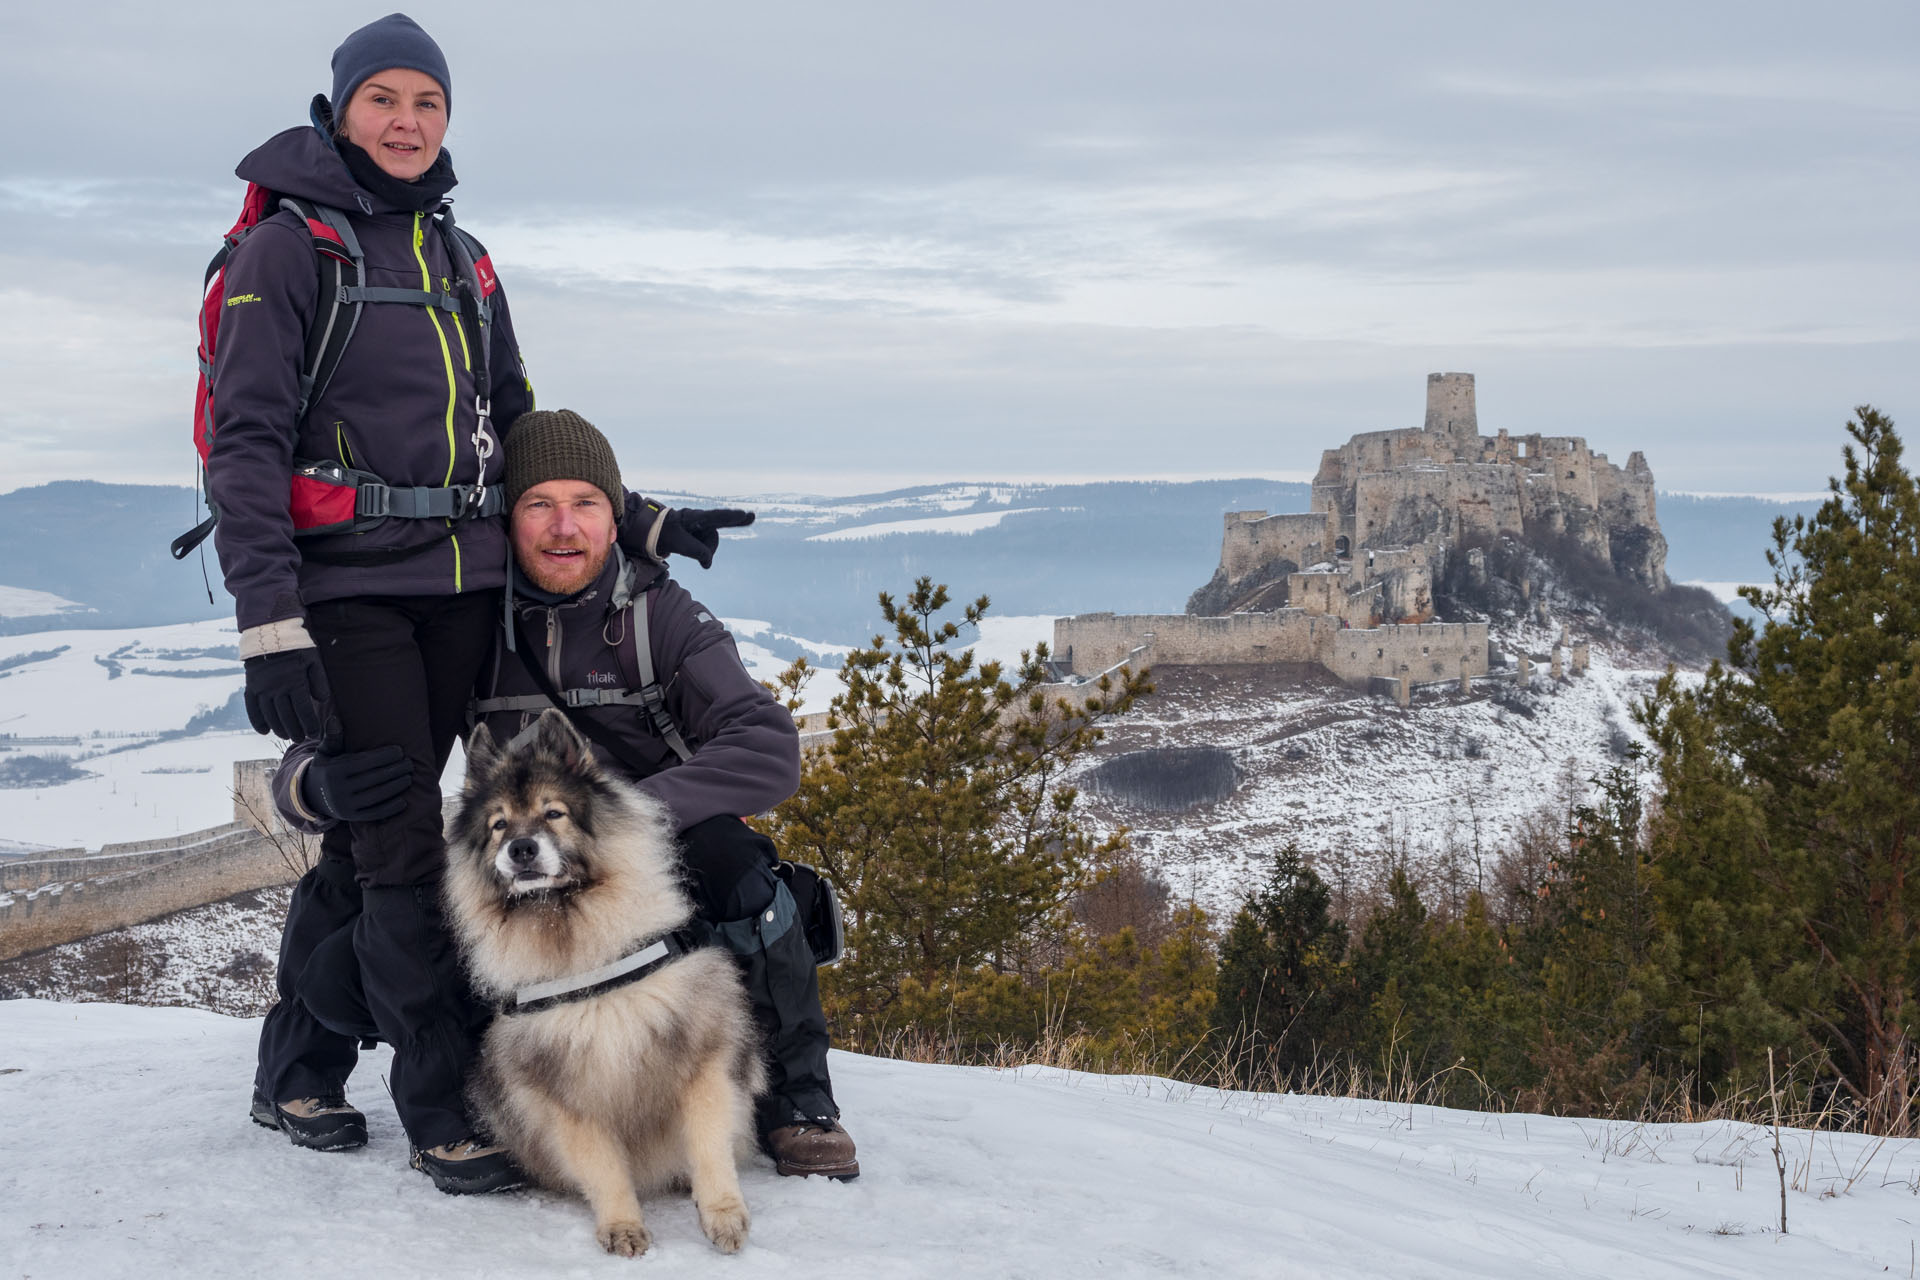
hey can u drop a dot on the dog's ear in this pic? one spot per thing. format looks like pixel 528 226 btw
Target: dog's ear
pixel 555 734
pixel 482 755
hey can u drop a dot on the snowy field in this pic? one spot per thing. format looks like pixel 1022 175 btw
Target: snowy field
pixel 102 699
pixel 930 524
pixel 23 602
pixel 127 1152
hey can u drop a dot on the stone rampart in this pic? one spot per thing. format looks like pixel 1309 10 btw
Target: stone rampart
pixel 1419 653
pixel 1254 538
pixel 47 901
pixel 1094 642
pixel 229 861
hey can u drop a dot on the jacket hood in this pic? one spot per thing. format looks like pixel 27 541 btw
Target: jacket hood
pixel 301 162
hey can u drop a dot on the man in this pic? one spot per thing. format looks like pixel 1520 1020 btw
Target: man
pixel 696 731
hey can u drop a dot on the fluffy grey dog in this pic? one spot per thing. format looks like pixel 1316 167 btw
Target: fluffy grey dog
pixel 563 879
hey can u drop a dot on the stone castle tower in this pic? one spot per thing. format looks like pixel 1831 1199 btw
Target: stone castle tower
pixel 1389 507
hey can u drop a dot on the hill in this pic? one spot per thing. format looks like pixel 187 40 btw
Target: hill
pixel 811 566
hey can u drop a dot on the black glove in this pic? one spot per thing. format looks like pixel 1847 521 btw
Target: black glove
pixel 287 694
pixel 358 786
pixel 649 531
pixel 696 534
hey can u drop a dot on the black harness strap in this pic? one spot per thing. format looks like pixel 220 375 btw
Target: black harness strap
pixel 648 958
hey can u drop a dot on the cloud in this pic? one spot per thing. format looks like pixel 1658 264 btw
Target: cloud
pixel 1010 239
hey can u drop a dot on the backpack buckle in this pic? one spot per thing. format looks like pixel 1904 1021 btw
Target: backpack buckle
pixel 373 501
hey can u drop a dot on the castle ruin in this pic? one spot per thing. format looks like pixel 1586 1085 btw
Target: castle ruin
pixel 1349 584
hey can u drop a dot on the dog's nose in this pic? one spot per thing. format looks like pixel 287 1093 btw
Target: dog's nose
pixel 523 851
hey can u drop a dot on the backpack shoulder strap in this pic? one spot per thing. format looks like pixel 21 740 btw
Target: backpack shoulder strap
pixel 638 650
pixel 342 266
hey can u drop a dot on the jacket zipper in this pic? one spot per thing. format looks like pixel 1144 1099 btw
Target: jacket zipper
pixel 453 389
pixel 553 645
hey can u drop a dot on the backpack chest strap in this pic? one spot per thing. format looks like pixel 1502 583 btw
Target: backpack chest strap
pixel 412 297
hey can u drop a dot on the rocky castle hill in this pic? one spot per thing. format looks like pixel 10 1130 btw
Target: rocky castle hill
pixel 1349 584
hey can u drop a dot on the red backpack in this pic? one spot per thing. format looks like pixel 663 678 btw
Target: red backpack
pixel 327 496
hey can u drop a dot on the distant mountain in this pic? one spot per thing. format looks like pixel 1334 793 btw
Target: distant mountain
pixel 812 566
pixel 1722 539
pixel 104 547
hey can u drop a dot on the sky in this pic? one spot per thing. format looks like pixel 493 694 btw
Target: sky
pixel 842 246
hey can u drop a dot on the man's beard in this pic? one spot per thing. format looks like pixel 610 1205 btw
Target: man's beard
pixel 563 578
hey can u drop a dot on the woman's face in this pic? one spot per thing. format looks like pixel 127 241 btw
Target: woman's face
pixel 399 117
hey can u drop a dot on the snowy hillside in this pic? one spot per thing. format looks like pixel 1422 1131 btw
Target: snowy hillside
pixel 1352 779
pixel 127 1152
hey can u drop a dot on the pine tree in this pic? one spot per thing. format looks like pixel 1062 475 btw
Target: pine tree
pixel 940 811
pixel 1812 731
pixel 1284 989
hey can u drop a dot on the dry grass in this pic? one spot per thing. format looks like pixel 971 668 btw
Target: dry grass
pixel 1233 1064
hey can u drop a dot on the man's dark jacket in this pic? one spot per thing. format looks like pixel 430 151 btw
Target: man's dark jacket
pixel 746 749
pixel 401 404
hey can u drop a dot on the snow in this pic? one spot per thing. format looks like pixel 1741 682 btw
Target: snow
pixel 928 524
pixel 21 602
pixel 142 793
pixel 997 639
pixel 1724 592
pixel 128 1153
pixel 74 692
pixel 1357 783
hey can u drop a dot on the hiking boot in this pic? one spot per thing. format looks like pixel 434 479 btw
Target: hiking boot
pixel 468 1168
pixel 815 1146
pixel 319 1124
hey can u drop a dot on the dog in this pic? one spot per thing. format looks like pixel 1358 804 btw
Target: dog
pixel 558 869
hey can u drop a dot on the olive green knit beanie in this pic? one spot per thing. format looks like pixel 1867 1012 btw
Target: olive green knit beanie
pixel 559 444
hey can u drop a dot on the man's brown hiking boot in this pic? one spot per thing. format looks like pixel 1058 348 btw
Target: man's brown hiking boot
pixel 319 1124
pixel 816 1146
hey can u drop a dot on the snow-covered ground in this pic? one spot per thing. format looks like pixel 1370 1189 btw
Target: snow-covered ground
pixel 23 602
pixel 102 699
pixel 1358 783
pixel 127 1152
pixel 929 524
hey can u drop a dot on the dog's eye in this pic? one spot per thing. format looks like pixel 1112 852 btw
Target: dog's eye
pixel 499 824
pixel 554 815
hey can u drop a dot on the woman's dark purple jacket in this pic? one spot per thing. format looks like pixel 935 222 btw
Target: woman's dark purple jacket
pixel 401 404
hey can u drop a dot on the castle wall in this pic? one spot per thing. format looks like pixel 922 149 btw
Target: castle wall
pixel 1093 642
pixel 225 861
pixel 1254 539
pixel 1338 595
pixel 1443 504
pixel 47 901
pixel 1421 653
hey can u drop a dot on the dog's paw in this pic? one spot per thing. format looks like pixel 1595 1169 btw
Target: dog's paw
pixel 628 1239
pixel 726 1222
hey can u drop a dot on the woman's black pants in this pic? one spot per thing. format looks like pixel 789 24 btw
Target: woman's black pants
pixel 401 670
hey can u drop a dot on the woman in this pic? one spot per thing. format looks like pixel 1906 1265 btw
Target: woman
pixel 370 639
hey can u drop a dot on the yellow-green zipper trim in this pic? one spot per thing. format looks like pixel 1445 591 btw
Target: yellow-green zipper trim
pixel 453 389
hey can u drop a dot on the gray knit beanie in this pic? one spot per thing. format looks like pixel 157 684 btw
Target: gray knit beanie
pixel 393 41
pixel 559 444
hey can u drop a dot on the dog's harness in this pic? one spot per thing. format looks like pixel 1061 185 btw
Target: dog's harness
pixel 649 957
